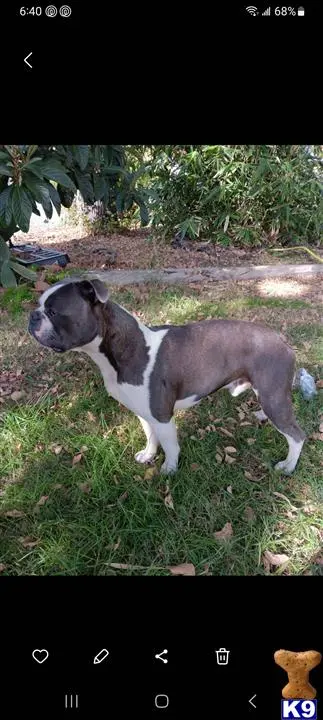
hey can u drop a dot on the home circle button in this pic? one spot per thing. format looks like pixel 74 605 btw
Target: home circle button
pixel 161 701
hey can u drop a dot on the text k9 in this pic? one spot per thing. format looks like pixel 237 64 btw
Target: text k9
pixel 299 709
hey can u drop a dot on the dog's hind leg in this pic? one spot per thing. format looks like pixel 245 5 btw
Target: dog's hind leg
pixel 278 408
pixel 149 452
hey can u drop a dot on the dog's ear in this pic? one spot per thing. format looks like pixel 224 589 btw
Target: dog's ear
pixel 93 291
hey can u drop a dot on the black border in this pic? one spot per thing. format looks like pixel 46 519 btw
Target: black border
pixel 204 75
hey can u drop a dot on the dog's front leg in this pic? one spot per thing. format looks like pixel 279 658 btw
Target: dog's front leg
pixel 149 452
pixel 167 436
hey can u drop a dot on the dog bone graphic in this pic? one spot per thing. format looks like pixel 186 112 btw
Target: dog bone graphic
pixel 298 666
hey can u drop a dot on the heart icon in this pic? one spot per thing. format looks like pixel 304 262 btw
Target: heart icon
pixel 40 655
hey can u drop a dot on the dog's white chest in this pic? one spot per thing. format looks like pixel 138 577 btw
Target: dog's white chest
pixel 134 397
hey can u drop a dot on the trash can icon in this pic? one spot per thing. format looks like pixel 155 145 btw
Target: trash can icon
pixel 222 656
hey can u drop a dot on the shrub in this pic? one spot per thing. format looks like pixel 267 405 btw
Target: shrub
pixel 239 194
pixel 50 176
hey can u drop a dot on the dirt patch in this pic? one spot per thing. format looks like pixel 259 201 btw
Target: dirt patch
pixel 141 249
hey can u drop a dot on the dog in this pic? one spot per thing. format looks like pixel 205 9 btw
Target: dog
pixel 155 370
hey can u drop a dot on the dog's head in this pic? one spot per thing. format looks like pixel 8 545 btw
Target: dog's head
pixel 67 316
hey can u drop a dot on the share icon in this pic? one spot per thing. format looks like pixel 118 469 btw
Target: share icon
pixel 159 656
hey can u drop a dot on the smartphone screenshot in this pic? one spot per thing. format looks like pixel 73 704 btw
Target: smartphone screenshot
pixel 161 367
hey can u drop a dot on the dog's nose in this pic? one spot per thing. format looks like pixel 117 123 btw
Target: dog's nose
pixel 34 319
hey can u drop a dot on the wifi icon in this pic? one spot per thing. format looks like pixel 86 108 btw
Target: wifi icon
pixel 252 10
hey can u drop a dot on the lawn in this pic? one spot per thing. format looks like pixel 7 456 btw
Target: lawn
pixel 73 500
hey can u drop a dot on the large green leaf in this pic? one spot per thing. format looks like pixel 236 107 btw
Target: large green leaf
pixel 115 170
pixel 6 169
pixel 6 206
pixel 4 197
pixel 22 270
pixel 4 251
pixel 85 187
pixel 43 192
pixel 66 196
pixel 99 185
pixel 21 208
pixel 7 277
pixel 60 176
pixel 38 188
pixel 54 196
pixel 51 169
pixel 81 154
pixel 4 156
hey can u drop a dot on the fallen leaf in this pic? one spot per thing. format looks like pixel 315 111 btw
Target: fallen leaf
pixel 248 475
pixel 273 560
pixel 218 458
pixel 195 466
pixel 229 489
pixel 116 545
pixel 91 417
pixel 150 473
pixel 249 514
pixel 241 415
pixel 250 441
pixel 309 508
pixel 14 514
pixel 226 432
pixel 54 389
pixel 57 449
pixel 228 459
pixel 29 542
pixel 225 533
pixel 77 458
pixel 17 395
pixel 2 567
pixel 85 487
pixel 42 500
pixel 84 448
pixel 123 566
pixel 184 569
pixel 168 500
pixel 317 436
pixel 242 424
pixel 57 486
pixel 40 286
pixel 123 497
pixel 230 449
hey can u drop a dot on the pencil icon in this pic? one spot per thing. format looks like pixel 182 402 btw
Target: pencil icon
pixel 102 655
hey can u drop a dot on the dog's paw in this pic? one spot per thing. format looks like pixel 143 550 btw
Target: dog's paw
pixel 144 457
pixel 260 416
pixel 168 469
pixel 284 467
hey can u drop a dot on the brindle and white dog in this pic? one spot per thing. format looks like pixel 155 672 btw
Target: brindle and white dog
pixel 154 371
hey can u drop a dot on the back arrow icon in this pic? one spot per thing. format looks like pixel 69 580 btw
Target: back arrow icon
pixel 251 703
pixel 26 60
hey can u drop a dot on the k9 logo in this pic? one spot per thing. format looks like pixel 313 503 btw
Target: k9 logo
pixel 299 709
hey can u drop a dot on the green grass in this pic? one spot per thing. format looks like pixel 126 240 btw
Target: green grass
pixel 105 509
pixel 14 298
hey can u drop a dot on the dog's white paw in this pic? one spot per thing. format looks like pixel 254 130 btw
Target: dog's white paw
pixel 260 415
pixel 168 468
pixel 286 467
pixel 144 457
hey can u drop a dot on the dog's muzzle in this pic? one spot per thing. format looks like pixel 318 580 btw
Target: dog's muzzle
pixel 44 337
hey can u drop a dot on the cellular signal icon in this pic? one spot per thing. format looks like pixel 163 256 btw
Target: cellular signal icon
pixel 267 12
pixel 252 10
